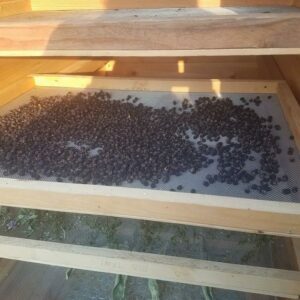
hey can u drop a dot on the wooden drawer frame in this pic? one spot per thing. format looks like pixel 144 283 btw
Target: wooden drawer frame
pixel 248 215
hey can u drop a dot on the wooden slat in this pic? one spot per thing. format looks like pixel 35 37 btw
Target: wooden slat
pixel 140 84
pixel 291 110
pixel 118 4
pixel 296 243
pixel 14 7
pixel 249 215
pixel 190 271
pixel 290 68
pixel 140 33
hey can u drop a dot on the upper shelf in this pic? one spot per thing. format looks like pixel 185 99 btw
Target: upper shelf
pixel 152 32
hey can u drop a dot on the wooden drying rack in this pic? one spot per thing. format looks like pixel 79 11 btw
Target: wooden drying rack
pixel 246 215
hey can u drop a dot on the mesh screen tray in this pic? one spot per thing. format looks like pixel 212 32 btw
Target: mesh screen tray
pixel 158 93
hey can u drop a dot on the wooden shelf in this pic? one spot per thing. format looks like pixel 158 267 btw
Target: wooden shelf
pixel 152 32
pixel 225 212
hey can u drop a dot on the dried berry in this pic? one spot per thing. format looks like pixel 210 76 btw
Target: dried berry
pixel 277 127
pixel 290 151
pixel 286 191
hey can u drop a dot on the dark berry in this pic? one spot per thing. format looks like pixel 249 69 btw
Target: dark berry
pixel 290 151
pixel 277 127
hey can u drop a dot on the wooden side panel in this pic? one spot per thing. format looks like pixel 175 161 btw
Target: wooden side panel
pixel 15 90
pixel 291 110
pixel 290 68
pixel 296 243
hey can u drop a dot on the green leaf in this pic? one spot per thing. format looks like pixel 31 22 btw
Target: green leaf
pixel 154 289
pixel 69 273
pixel 207 293
pixel 119 287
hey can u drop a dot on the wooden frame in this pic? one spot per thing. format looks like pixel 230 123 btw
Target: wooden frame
pixel 240 214
pixel 174 33
pixel 250 279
